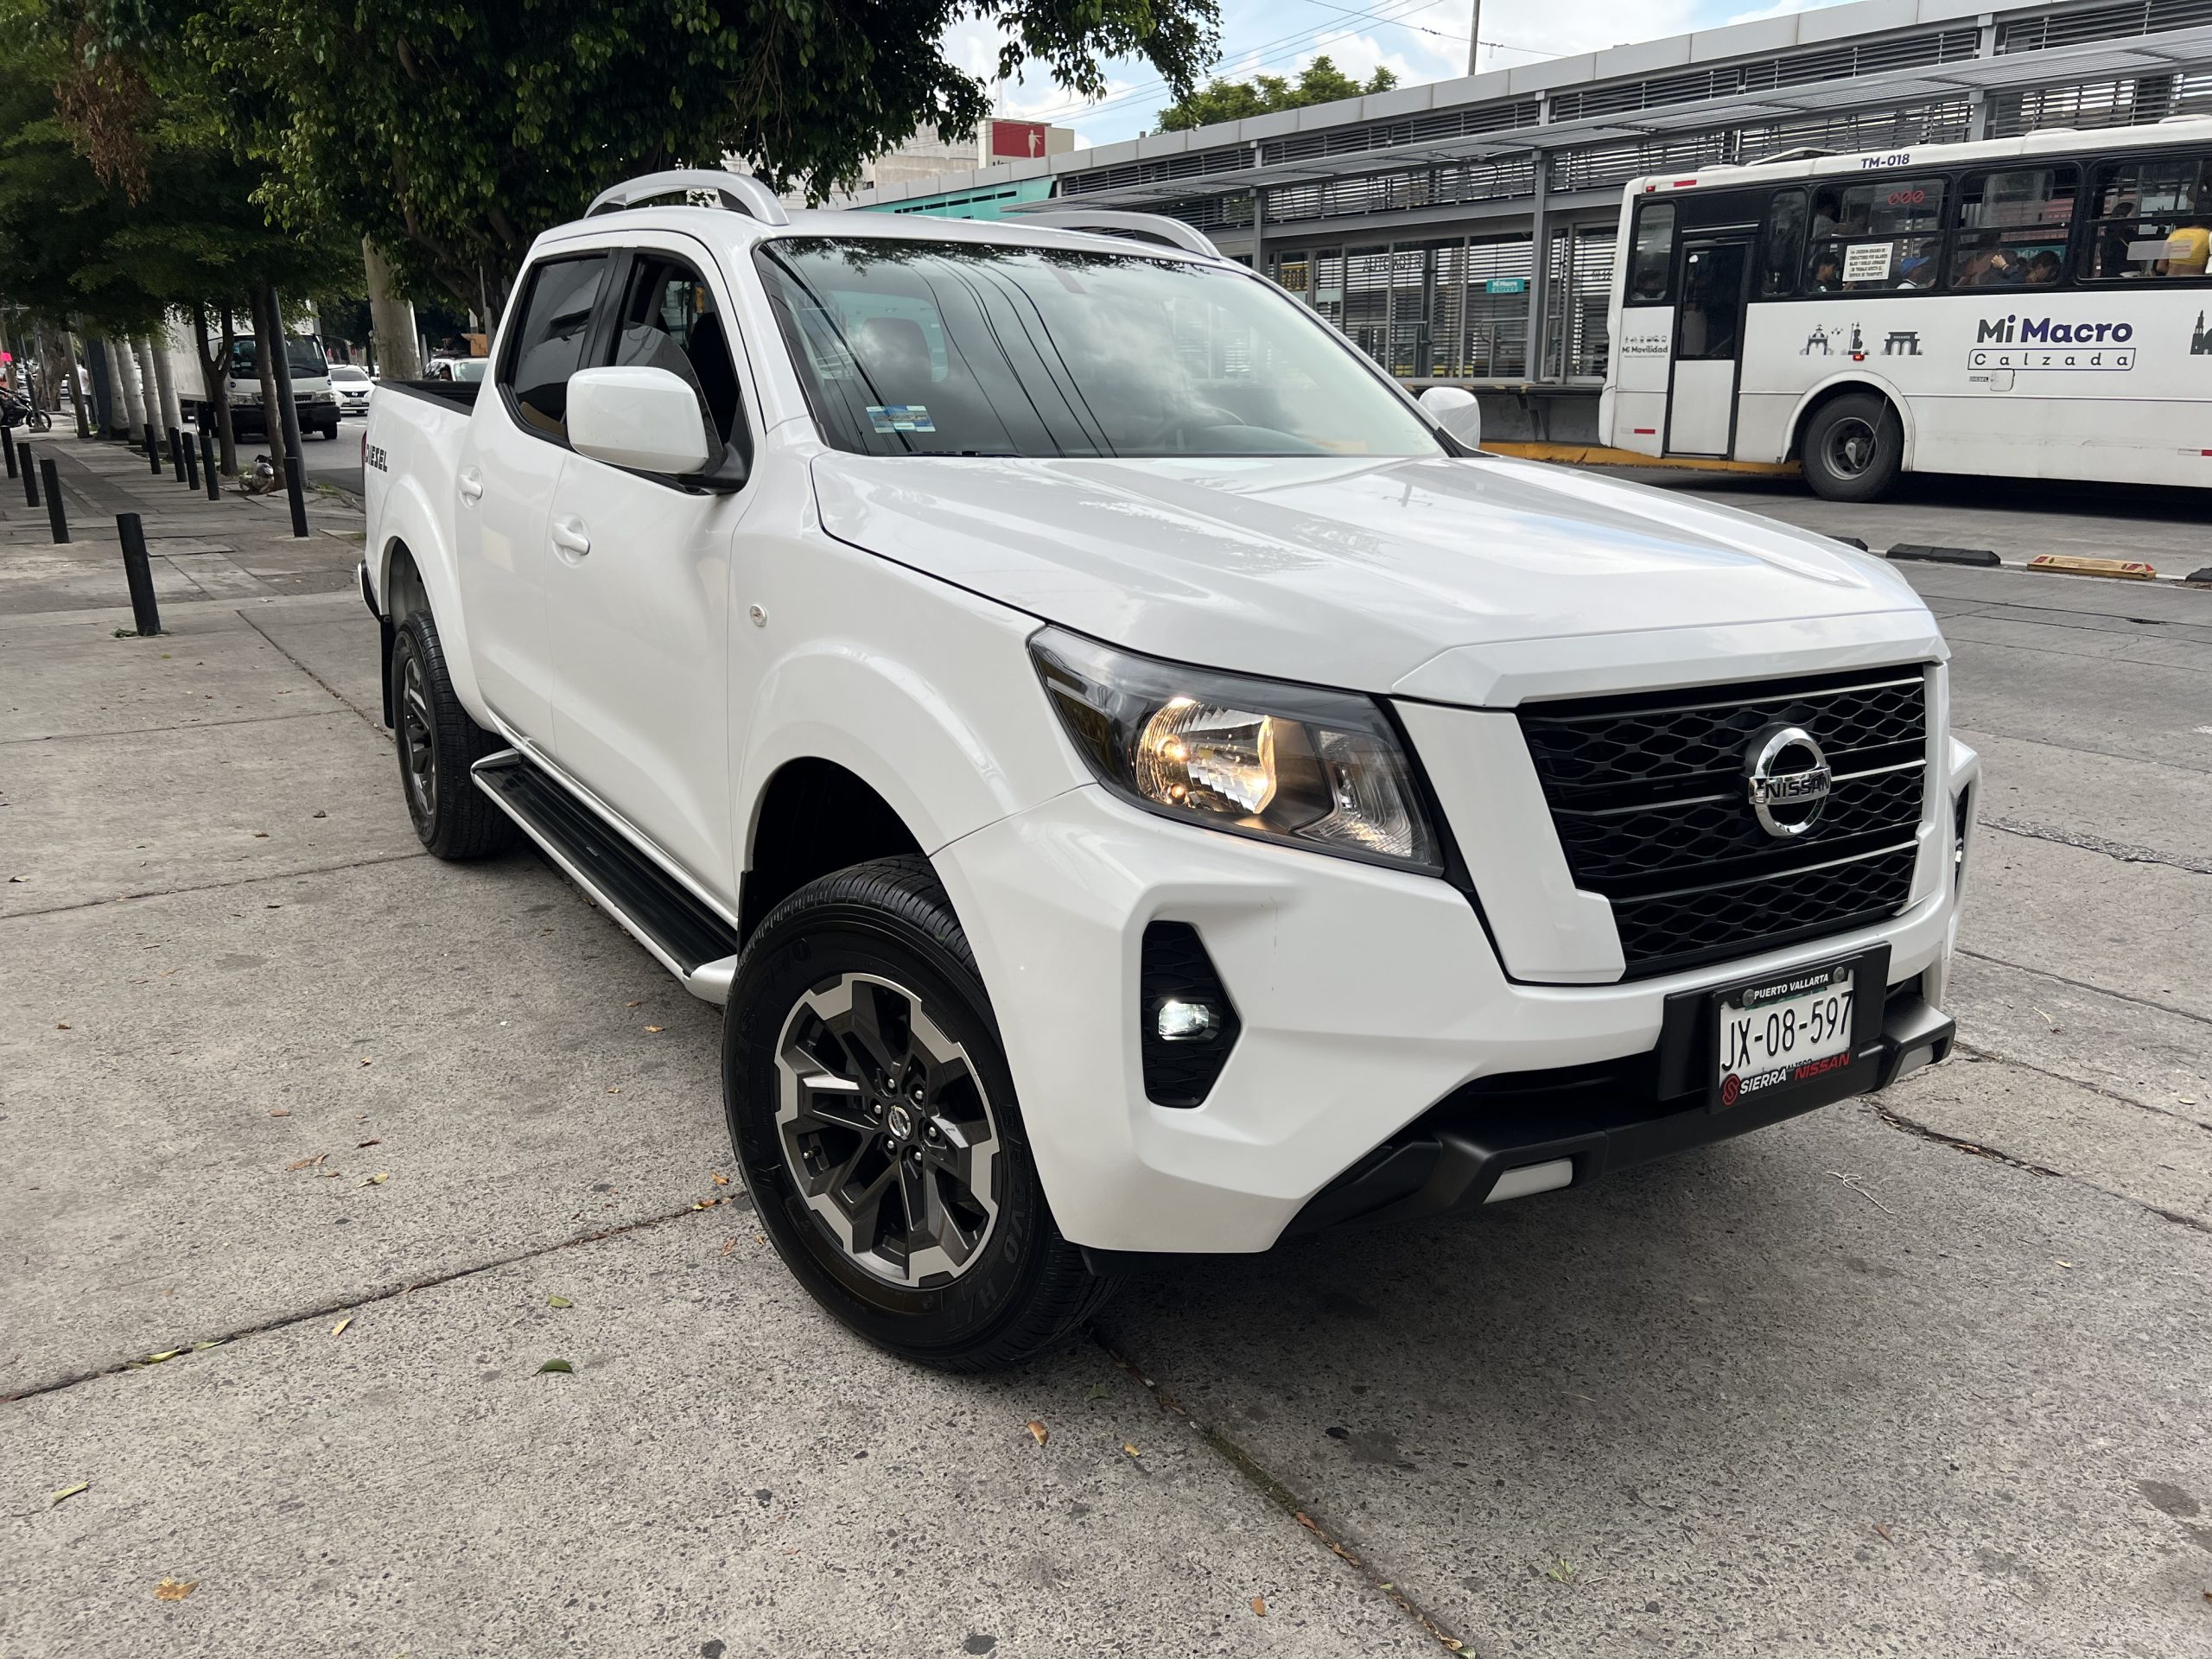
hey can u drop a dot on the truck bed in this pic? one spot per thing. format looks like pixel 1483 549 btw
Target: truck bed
pixel 460 393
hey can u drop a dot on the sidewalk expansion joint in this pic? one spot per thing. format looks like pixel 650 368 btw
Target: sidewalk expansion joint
pixel 2125 852
pixel 2098 1089
pixel 1257 1476
pixel 376 725
pixel 149 731
pixel 1996 1154
pixel 216 886
pixel 190 1347
pixel 2084 985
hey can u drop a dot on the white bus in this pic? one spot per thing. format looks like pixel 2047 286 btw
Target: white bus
pixel 2028 308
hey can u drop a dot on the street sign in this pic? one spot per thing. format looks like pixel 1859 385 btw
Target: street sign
pixel 1506 285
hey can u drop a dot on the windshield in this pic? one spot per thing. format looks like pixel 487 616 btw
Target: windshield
pixel 952 349
pixel 303 354
pixel 346 372
pixel 470 368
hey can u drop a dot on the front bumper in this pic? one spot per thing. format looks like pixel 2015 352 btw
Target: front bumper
pixel 1366 998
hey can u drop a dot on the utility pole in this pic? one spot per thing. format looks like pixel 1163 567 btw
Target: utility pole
pixel 1474 35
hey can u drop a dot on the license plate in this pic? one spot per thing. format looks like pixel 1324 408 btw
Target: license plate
pixel 1787 1031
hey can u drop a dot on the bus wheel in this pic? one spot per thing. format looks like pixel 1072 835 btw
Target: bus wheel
pixel 1854 447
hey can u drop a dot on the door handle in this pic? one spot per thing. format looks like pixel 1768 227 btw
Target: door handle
pixel 569 533
pixel 471 484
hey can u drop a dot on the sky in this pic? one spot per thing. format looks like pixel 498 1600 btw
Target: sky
pixel 1416 39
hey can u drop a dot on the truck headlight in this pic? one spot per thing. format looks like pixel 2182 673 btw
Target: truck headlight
pixel 1322 770
pixel 246 399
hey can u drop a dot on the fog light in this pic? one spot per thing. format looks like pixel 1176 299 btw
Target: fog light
pixel 1187 1022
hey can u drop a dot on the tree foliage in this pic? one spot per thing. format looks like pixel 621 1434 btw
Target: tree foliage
pixel 1319 82
pixel 451 132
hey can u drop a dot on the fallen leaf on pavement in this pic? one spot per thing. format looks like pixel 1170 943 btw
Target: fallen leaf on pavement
pixel 377 1179
pixel 706 1203
pixel 341 1324
pixel 1260 1605
pixel 368 1061
pixel 175 1589
pixel 358 1145
pixel 656 1028
pixel 280 1112
pixel 69 1492
pixel 2062 1263
pixel 1131 1450
pixel 1099 1391
pixel 1038 1432
pixel 559 1365
pixel 632 1005
pixel 729 1244
pixel 1885 1531
pixel 306 1163
pixel 614 1088
pixel 63 1026
pixel 558 1301
pixel 719 1179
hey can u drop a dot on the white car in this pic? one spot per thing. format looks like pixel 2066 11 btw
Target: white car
pixel 354 387
pixel 1139 784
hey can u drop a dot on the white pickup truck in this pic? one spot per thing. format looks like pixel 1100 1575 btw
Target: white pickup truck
pixel 1139 782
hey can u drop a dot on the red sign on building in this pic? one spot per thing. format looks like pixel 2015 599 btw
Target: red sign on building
pixel 1015 141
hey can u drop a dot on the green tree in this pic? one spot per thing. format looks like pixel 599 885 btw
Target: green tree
pixel 178 230
pixel 451 132
pixel 1319 82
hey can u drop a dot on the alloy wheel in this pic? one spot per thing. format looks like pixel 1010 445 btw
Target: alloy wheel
pixel 887 1132
pixel 418 743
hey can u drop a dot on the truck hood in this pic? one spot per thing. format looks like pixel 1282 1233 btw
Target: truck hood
pixel 1418 576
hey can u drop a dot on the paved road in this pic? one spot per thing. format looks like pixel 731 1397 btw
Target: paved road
pixel 1924 1378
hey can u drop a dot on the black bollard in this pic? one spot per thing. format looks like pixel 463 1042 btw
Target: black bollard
pixel 57 516
pixel 177 453
pixel 30 477
pixel 139 574
pixel 292 489
pixel 188 458
pixel 207 466
pixel 154 450
pixel 8 437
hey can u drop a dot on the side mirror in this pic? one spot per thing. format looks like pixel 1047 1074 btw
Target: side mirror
pixel 1454 409
pixel 648 420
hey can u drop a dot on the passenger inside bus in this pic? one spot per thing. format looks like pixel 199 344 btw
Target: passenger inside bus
pixel 2187 248
pixel 2042 267
pixel 1828 272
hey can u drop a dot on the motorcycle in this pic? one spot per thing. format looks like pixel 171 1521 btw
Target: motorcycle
pixel 22 412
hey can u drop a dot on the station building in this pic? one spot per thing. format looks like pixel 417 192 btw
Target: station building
pixel 1462 232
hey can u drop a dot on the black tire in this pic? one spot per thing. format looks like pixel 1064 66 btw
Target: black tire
pixel 1020 1286
pixel 437 743
pixel 1854 447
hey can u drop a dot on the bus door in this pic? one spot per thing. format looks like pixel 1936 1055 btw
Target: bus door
pixel 1715 278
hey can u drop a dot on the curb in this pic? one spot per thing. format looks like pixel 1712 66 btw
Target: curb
pixel 1976 555
pixel 1598 455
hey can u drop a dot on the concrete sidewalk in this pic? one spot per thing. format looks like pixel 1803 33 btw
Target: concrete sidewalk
pixel 238 548
pixel 266 1067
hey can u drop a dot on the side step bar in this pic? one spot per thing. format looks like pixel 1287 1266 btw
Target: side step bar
pixel 693 943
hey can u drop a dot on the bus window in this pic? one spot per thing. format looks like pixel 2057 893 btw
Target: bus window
pixel 2013 227
pixel 2153 219
pixel 1878 236
pixel 1782 249
pixel 1652 255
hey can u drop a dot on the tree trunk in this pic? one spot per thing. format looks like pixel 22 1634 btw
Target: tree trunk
pixel 391 321
pixel 165 383
pixel 281 363
pixel 268 342
pixel 78 393
pixel 149 393
pixel 126 388
pixel 215 372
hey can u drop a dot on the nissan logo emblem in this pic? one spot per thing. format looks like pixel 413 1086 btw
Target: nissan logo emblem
pixel 1786 779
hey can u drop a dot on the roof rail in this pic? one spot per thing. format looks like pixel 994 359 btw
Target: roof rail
pixel 738 192
pixel 1146 227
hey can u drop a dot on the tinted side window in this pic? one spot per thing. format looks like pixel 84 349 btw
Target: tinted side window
pixel 549 341
pixel 2013 227
pixel 668 321
pixel 2153 218
pixel 1882 235
pixel 1651 259
pixel 1782 252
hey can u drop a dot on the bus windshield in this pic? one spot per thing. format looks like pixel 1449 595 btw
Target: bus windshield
pixel 961 349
